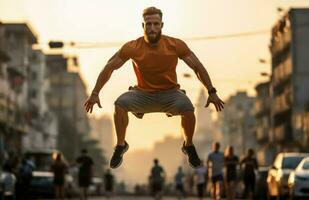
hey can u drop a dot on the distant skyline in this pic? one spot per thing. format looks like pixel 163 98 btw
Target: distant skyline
pixel 232 62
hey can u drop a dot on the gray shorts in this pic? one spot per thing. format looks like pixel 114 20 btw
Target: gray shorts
pixel 172 102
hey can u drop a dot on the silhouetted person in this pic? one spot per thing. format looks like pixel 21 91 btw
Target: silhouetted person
pixel 59 169
pixel 231 162
pixel 108 183
pixel 157 177
pixel 215 162
pixel 85 163
pixel 154 57
pixel 12 161
pixel 250 165
pixel 8 181
pixel 201 181
pixel 179 179
pixel 24 178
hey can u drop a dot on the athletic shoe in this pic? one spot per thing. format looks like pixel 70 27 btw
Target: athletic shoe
pixel 116 159
pixel 193 159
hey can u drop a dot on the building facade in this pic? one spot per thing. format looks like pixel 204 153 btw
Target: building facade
pixel 290 79
pixel 43 131
pixel 238 123
pixel 266 150
pixel 17 41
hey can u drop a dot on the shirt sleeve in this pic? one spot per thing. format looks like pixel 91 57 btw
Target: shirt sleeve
pixel 125 52
pixel 182 49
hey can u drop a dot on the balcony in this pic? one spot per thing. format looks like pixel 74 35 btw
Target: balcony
pixel 262 134
pixel 282 72
pixel 282 133
pixel 261 107
pixel 282 102
pixel 281 35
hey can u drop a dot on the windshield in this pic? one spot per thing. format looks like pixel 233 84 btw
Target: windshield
pixel 306 164
pixel 43 161
pixel 291 162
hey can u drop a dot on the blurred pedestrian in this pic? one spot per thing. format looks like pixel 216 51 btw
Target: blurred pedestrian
pixel 8 181
pixel 85 172
pixel 231 162
pixel 201 180
pixel 12 161
pixel 157 177
pixel 24 178
pixel 108 180
pixel 59 169
pixel 215 163
pixel 250 165
pixel 179 179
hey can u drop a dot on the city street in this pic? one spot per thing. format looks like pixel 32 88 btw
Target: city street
pixel 99 99
pixel 144 198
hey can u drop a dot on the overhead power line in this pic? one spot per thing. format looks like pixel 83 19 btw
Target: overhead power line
pixel 232 35
pixel 59 44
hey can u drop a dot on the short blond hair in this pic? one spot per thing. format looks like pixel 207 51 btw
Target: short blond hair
pixel 152 11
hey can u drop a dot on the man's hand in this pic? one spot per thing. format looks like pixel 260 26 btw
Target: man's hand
pixel 213 98
pixel 91 101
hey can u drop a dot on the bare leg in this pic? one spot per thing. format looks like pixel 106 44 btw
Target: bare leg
pixel 214 190
pixel 218 190
pixel 188 125
pixel 121 121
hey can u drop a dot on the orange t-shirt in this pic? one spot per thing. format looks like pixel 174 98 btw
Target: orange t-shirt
pixel 155 66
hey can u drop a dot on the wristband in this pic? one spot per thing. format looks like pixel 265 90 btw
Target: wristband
pixel 212 90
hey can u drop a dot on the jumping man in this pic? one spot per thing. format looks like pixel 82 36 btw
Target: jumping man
pixel 154 57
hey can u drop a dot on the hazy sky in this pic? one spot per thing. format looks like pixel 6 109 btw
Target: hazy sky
pixel 231 62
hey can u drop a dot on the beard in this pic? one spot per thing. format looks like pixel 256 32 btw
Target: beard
pixel 152 40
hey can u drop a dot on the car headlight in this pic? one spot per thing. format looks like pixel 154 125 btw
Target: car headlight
pixel 291 179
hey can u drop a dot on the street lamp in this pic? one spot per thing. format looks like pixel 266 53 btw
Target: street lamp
pixel 55 44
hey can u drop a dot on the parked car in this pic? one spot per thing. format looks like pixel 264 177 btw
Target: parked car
pixel 43 159
pixel 42 180
pixel 42 185
pixel 278 174
pixel 299 180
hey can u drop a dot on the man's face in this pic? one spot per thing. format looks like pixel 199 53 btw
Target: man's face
pixel 215 147
pixel 152 28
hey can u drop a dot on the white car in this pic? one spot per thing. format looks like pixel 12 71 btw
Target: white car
pixel 299 180
pixel 278 174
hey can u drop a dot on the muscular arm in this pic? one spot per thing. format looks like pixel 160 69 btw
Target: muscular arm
pixel 113 63
pixel 193 62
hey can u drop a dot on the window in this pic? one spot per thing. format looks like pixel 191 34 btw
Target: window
pixel 291 162
pixel 34 76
